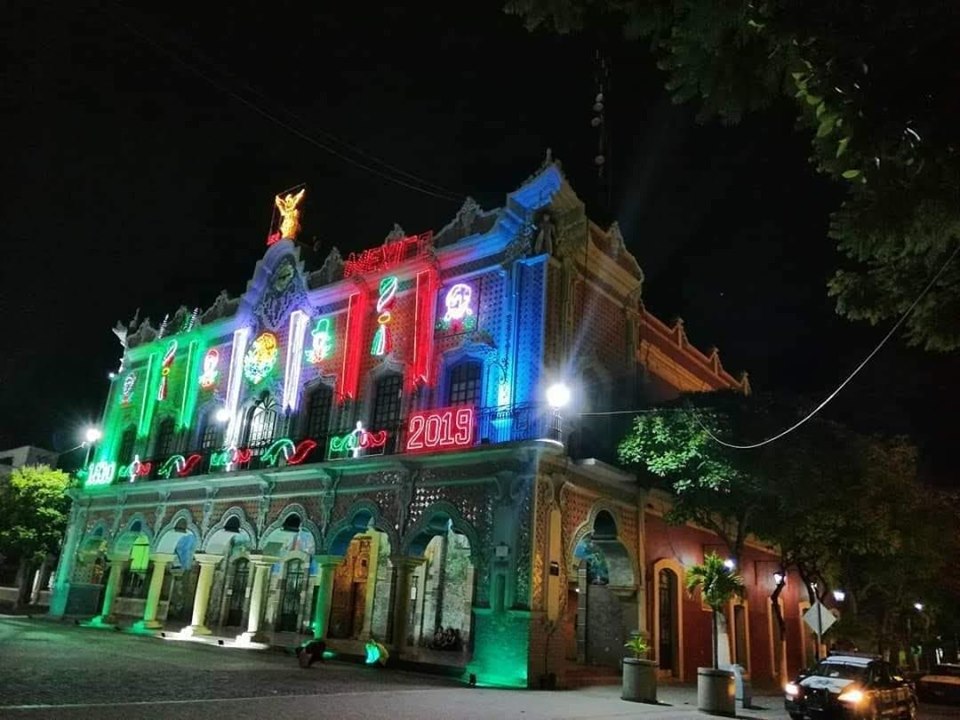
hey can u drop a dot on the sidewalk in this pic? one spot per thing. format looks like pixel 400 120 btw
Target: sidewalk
pixel 674 701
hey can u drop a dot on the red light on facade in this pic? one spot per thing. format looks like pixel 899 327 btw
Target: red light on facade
pixel 303 449
pixel 450 428
pixel 387 255
pixel 189 464
pixel 353 337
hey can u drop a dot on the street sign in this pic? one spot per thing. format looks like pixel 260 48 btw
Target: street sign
pixel 827 618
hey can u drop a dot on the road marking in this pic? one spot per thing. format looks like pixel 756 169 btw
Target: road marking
pixel 216 700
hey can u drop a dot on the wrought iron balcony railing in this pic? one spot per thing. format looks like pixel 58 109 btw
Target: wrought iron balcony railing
pixel 437 430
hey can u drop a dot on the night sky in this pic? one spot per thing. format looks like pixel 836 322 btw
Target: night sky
pixel 145 143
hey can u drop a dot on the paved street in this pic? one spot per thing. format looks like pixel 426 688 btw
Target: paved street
pixel 61 671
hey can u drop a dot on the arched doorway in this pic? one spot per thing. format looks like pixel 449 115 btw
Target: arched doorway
pixel 232 538
pixel 237 592
pixel 439 622
pixel 291 591
pixel 292 541
pixel 667 623
pixel 606 594
pixel 352 586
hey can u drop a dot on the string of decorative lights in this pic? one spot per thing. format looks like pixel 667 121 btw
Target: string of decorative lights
pixel 831 396
pixel 439 192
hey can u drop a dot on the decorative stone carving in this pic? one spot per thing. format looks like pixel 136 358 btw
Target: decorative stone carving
pixel 207 513
pixel 547 240
pixel 219 307
pixel 158 514
pixel 332 268
pixel 263 510
pixel 518 248
pixel 397 233
pixel 281 298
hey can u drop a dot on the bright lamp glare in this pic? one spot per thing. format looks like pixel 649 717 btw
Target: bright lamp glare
pixel 918 606
pixel 792 689
pixel 92 434
pixel 222 415
pixel 729 564
pixel 839 595
pixel 558 395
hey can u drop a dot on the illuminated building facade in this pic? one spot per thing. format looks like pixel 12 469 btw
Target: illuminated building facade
pixel 363 451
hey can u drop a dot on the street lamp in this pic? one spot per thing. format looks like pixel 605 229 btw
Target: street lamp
pixel 90 436
pixel 779 578
pixel 222 415
pixel 918 606
pixel 729 564
pixel 558 395
pixel 839 595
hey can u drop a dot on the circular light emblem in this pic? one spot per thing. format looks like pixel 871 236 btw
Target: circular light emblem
pixel 261 357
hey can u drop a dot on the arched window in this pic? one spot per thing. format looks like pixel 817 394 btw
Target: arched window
pixel 211 432
pixel 262 421
pixel 464 384
pixel 319 402
pixel 127 441
pixel 386 402
pixel 166 438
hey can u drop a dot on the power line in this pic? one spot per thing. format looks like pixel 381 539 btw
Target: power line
pixel 441 194
pixel 819 407
pixel 329 135
pixel 850 377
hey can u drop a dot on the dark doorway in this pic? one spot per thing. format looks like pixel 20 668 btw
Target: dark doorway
pixel 238 588
pixel 667 622
pixel 740 636
pixel 290 599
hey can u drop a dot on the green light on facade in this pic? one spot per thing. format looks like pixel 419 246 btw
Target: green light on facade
pixel 148 399
pixel 191 389
pixel 501 646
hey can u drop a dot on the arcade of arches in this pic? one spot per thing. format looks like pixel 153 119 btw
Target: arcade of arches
pixel 513 567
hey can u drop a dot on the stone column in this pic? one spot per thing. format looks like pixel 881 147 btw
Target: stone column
pixel 160 562
pixel 261 569
pixel 117 564
pixel 201 599
pixel 404 568
pixel 326 566
pixel 68 553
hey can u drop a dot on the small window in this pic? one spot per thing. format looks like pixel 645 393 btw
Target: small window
pixel 127 441
pixel 319 404
pixel 166 438
pixel 262 423
pixel 464 385
pixel 211 436
pixel 386 403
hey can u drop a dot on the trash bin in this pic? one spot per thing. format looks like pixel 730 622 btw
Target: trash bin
pixel 744 689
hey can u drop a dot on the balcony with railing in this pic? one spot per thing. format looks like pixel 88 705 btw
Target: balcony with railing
pixel 428 431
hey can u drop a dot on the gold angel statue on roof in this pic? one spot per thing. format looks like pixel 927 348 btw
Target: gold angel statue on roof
pixel 288 205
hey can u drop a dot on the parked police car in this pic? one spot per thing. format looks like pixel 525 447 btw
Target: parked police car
pixel 850 687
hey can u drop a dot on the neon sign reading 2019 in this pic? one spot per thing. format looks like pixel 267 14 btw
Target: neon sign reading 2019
pixel 448 428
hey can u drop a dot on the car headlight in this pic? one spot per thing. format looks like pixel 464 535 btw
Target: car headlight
pixel 851 696
pixel 792 689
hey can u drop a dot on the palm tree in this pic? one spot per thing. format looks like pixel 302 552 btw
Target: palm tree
pixel 718 584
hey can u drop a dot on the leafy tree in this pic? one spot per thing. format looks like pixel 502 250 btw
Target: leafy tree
pixel 874 85
pixel 718 584
pixel 34 508
pixel 844 509
pixel 713 486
